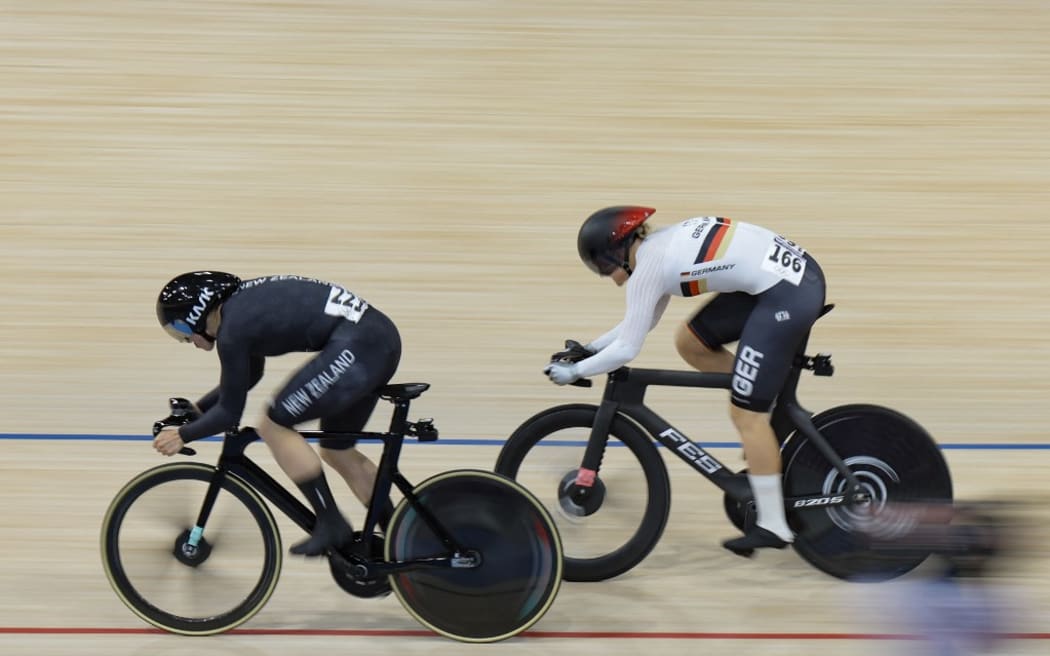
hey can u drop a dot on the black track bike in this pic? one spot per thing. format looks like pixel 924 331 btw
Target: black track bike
pixel 194 548
pixel 598 469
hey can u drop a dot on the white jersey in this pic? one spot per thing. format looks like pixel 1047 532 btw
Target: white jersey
pixel 702 254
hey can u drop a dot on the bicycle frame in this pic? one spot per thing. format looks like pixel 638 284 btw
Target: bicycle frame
pixel 625 394
pixel 233 461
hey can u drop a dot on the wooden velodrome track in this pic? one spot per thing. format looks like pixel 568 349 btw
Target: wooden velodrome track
pixel 438 158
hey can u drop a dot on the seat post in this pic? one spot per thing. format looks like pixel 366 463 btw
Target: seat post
pixel 783 423
pixel 399 420
pixel 387 474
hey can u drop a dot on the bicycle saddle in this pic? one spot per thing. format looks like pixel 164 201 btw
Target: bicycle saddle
pixel 403 391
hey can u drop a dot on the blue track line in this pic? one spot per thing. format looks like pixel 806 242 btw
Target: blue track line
pixel 492 442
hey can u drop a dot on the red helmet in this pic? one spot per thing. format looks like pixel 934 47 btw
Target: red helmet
pixel 606 236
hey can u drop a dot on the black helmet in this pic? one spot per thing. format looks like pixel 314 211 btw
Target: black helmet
pixel 606 236
pixel 184 303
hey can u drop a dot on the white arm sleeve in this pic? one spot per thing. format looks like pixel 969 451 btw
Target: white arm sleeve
pixel 606 339
pixel 646 302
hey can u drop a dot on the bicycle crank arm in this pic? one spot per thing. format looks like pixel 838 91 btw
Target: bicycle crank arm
pixel 362 569
pixel 469 560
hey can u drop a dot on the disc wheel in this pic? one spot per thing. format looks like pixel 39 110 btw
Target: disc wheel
pixel 509 572
pixel 895 461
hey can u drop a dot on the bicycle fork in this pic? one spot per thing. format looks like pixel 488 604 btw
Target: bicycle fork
pixel 587 474
pixel 190 546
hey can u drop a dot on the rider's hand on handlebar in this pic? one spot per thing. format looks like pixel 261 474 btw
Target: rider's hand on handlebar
pixel 561 373
pixel 183 412
pixel 574 352
pixel 167 442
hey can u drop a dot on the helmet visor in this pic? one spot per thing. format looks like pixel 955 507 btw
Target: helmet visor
pixel 605 264
pixel 179 330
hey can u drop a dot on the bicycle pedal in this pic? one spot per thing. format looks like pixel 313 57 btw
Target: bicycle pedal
pixel 757 538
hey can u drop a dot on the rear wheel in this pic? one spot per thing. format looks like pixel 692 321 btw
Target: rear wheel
pixel 498 523
pixel 895 460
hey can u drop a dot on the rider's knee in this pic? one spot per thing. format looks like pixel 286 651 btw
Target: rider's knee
pixel 341 458
pixel 275 423
pixel 330 457
pixel 690 346
pixel 747 420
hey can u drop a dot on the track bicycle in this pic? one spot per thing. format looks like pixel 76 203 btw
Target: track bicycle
pixel 194 549
pixel 585 461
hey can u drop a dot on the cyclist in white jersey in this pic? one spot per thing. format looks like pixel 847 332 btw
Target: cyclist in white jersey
pixel 769 293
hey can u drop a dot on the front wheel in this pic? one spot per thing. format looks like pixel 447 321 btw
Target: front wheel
pixel 193 582
pixel 513 548
pixel 618 521
pixel 895 460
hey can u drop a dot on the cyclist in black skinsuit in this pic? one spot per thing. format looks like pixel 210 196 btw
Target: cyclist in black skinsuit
pixel 358 349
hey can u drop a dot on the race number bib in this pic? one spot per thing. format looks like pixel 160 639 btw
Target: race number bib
pixel 786 259
pixel 342 303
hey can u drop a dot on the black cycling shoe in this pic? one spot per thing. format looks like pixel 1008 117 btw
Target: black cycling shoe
pixel 756 538
pixel 328 534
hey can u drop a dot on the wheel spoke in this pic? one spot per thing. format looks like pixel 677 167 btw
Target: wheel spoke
pixel 614 524
pixel 212 586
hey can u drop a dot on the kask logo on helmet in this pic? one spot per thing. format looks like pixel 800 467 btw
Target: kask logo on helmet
pixel 197 310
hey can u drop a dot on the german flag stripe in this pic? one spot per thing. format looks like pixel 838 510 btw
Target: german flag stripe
pixel 694 287
pixel 728 228
pixel 716 242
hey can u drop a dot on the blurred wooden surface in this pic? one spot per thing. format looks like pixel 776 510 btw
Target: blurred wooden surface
pixel 438 158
